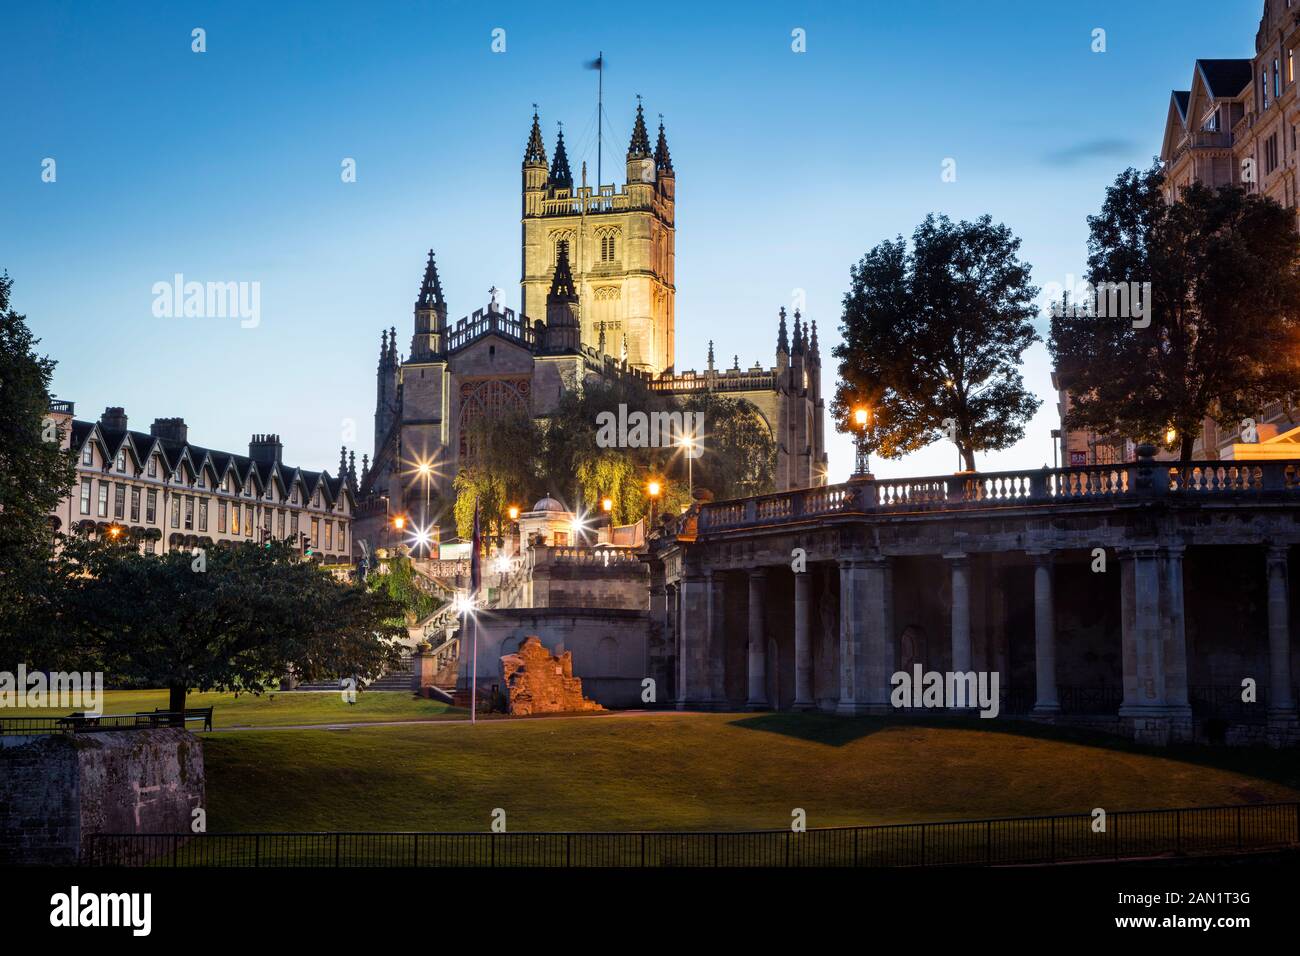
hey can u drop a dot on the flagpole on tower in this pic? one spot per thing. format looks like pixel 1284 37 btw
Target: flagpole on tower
pixel 600 115
pixel 598 65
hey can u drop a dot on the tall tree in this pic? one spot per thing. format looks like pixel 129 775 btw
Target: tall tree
pixel 1218 328
pixel 739 455
pixel 933 337
pixel 35 474
pixel 234 618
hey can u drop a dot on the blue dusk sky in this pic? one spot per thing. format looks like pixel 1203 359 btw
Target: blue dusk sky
pixel 225 166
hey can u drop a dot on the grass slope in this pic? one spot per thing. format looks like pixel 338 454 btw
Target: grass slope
pixel 705 771
pixel 274 709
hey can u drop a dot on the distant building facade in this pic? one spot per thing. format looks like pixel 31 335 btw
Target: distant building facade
pixel 167 493
pixel 1238 124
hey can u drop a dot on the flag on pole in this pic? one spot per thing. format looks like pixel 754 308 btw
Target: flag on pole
pixel 596 64
pixel 475 565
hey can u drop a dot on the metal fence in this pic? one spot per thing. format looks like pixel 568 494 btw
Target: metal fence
pixel 91 723
pixel 1021 840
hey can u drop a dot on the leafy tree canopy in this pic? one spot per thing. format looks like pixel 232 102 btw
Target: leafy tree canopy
pixel 1220 331
pixel 35 474
pixel 233 618
pixel 933 337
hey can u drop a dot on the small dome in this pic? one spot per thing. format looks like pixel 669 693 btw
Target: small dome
pixel 549 504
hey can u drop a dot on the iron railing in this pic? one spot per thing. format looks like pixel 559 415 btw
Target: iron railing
pixel 90 723
pixel 1079 837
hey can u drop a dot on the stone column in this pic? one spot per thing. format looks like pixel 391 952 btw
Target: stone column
pixel 757 643
pixel 852 637
pixel 717 640
pixel 1173 619
pixel 878 638
pixel 693 666
pixel 960 611
pixel 1045 697
pixel 1143 645
pixel 803 655
pixel 1282 718
pixel 658 650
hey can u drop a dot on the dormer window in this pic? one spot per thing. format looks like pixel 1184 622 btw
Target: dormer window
pixel 1211 124
pixel 153 466
pixel 121 461
pixel 88 454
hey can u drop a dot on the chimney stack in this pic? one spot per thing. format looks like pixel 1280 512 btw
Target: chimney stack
pixel 113 419
pixel 265 449
pixel 170 429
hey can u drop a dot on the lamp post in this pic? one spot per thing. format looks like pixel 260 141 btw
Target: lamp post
pixel 653 488
pixel 862 462
pixel 425 470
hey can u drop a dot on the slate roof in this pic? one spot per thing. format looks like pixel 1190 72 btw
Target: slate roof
pixel 1226 77
pixel 218 463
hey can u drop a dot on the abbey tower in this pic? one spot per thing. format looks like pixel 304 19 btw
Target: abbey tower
pixel 620 244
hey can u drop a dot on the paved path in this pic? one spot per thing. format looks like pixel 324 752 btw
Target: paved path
pixel 457 721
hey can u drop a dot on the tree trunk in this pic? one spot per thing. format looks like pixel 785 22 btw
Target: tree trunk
pixel 1185 451
pixel 176 703
pixel 968 458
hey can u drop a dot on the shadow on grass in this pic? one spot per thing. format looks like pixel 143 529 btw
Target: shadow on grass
pixel 1277 766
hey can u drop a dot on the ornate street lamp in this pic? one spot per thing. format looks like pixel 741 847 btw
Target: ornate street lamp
pixel 862 463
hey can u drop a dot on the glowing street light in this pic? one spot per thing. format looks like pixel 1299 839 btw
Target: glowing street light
pixel 1171 436
pixel 607 505
pixel 653 488
pixel 399 522
pixel 514 512
pixel 862 464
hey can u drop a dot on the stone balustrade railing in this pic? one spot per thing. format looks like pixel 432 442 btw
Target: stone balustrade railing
pixel 589 557
pixel 1144 478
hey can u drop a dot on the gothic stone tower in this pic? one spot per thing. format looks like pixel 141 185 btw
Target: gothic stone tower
pixel 620 246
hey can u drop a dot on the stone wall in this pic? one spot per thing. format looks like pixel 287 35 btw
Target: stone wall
pixel 537 682
pixel 57 791
pixel 609 647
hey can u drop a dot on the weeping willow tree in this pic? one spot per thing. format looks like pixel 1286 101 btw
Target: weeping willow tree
pixel 501 469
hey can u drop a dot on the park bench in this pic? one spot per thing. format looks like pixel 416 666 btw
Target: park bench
pixel 191 713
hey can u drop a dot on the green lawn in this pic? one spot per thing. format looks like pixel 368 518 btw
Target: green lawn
pixel 705 771
pixel 273 709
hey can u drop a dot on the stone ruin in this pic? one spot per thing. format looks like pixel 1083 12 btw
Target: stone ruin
pixel 537 682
